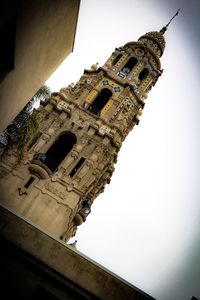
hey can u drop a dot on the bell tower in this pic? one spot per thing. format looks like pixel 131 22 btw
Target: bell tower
pixel 82 128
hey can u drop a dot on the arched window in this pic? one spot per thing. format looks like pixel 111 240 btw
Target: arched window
pixel 58 151
pixel 116 59
pixel 100 101
pixel 143 74
pixel 131 63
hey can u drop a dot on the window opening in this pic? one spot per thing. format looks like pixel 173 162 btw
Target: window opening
pixel 100 101
pixel 77 167
pixel 116 59
pixel 130 65
pixel 86 207
pixel 29 182
pixel 143 74
pixel 58 151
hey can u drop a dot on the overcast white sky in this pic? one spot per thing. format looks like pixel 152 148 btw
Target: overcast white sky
pixel 145 227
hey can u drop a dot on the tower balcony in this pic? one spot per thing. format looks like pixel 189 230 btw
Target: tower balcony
pixel 43 165
pixel 81 216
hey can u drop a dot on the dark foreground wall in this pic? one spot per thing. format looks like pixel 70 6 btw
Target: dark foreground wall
pixel 24 277
pixel 34 265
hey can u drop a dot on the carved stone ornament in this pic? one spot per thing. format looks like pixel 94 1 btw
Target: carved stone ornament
pixel 104 129
pixel 50 187
pixel 39 170
pixel 94 67
pixel 46 137
pixel 57 124
pixel 22 191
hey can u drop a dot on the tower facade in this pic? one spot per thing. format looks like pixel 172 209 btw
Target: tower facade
pixel 82 127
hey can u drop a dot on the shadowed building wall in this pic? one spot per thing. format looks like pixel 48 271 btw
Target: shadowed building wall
pixel 36 36
pixel 34 265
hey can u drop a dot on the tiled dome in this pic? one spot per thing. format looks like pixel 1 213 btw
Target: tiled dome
pixel 154 40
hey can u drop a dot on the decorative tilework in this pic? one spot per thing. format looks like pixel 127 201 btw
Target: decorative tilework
pixel 117 89
pixel 105 82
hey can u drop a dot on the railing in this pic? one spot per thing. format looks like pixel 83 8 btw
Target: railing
pixel 47 160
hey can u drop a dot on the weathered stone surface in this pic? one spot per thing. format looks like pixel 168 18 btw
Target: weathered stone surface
pixel 82 129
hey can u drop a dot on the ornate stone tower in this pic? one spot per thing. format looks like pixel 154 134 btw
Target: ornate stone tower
pixel 81 132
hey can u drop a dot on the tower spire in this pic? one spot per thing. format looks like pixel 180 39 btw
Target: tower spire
pixel 165 27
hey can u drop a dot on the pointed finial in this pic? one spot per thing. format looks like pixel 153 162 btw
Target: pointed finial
pixel 73 244
pixel 165 27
